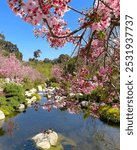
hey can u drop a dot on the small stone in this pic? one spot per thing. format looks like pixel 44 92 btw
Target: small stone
pixel 33 90
pixel 40 88
pixel 33 99
pixel 2 115
pixel 21 107
pixel 28 93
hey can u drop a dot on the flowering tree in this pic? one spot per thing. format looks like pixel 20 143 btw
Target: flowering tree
pixel 99 51
pixel 11 67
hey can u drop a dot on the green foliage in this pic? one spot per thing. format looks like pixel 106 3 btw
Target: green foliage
pixel 54 84
pixel 37 96
pixel 28 84
pixel 15 95
pixel 43 68
pixel 98 95
pixel 13 90
pixel 110 114
pixel 7 109
pixel 71 66
pixel 2 100
pixel 63 58
pixel 37 53
pixel 7 47
pixel 95 95
pixel 85 97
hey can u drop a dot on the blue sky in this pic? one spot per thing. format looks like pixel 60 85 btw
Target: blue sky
pixel 21 33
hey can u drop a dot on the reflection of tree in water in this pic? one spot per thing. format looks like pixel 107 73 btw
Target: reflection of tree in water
pixel 97 136
pixel 104 138
pixel 2 131
pixel 10 126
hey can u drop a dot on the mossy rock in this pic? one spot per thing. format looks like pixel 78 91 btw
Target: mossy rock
pixel 37 96
pixel 110 114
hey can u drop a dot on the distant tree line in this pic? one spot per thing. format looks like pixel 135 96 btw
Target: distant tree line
pixel 6 48
pixel 61 59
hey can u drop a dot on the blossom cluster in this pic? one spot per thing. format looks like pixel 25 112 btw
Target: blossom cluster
pixel 49 15
pixel 11 67
pixel 100 49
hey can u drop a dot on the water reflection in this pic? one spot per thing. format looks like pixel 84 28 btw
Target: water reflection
pixel 89 134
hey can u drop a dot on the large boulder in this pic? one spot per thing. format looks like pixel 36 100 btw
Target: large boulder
pixel 46 140
pixel 53 138
pixel 2 115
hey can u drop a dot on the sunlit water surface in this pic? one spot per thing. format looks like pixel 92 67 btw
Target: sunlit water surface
pixel 88 134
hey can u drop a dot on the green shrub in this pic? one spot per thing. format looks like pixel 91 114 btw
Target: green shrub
pixel 85 97
pixel 43 68
pixel 13 90
pixel 15 95
pixel 28 84
pixel 37 96
pixel 2 100
pixel 15 101
pixel 110 114
pixel 54 84
pixel 8 110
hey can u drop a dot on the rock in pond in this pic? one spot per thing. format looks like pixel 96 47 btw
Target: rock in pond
pixel 2 115
pixel 21 107
pixel 33 99
pixel 46 139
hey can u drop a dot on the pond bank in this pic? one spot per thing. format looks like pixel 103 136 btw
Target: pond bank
pixel 15 99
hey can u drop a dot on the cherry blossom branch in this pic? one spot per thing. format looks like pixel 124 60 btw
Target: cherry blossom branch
pixel 82 13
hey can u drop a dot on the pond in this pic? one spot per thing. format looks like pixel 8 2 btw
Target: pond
pixel 88 134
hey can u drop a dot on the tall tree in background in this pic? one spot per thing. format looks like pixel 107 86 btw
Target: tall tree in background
pixel 37 53
pixel 6 48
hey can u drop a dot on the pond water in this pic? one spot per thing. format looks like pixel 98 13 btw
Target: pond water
pixel 88 134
